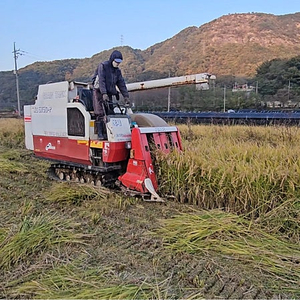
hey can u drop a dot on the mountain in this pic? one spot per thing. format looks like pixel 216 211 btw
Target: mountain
pixel 234 45
pixel 231 45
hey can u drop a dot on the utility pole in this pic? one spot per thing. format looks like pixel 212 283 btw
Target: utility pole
pixel 224 99
pixel 289 89
pixel 169 96
pixel 214 92
pixel 16 53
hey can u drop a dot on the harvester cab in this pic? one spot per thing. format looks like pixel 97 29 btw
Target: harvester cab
pixel 60 127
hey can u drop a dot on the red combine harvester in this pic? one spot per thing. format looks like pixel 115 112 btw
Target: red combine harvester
pixel 62 129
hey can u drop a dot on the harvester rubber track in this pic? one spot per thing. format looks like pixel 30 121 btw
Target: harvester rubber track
pixel 98 176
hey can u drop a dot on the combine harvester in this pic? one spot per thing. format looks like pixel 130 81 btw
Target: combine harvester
pixel 63 130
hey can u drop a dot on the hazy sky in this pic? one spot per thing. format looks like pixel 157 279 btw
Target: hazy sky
pixel 46 30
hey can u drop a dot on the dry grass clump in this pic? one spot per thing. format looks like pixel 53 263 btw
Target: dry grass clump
pixel 234 237
pixel 12 161
pixel 74 281
pixel 247 170
pixel 78 194
pixel 12 132
pixel 3 233
pixel 74 193
pixel 35 235
pixel 9 166
pixel 284 219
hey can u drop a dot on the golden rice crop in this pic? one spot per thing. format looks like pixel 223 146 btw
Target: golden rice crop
pixel 249 170
pixel 12 132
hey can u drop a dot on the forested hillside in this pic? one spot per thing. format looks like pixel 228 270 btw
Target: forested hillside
pixel 233 46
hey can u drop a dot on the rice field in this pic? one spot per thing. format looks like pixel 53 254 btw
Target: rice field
pixel 250 171
pixel 229 227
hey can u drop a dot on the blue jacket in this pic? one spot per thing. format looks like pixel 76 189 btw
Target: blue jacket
pixel 110 77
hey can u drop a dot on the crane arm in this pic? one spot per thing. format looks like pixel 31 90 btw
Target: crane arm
pixel 201 79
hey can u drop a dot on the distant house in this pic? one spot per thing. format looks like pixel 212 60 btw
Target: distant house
pixel 243 88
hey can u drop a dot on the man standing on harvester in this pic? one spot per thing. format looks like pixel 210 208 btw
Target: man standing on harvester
pixel 106 78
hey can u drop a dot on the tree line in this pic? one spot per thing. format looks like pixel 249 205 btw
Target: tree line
pixel 276 85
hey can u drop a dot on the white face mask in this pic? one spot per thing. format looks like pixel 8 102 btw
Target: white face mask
pixel 115 64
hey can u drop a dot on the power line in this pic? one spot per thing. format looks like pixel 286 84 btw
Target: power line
pixel 32 55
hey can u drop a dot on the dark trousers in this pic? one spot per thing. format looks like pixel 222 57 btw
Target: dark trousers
pixel 101 110
pixel 101 107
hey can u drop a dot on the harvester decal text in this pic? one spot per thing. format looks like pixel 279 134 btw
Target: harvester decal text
pixel 42 109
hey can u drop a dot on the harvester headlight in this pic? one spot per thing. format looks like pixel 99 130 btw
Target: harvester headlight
pixel 128 145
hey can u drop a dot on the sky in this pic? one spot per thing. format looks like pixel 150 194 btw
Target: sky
pixel 46 30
